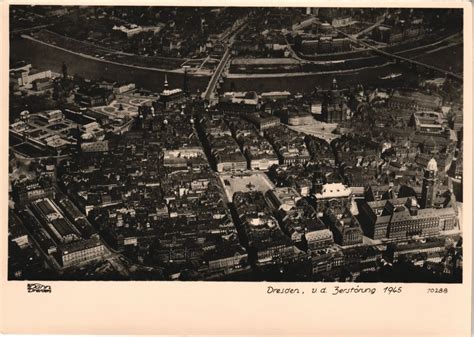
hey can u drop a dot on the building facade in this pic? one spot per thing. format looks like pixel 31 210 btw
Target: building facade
pixel 81 252
pixel 402 218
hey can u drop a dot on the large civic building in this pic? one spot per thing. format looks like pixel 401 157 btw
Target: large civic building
pixel 333 196
pixel 81 252
pixel 401 218
pixel 414 101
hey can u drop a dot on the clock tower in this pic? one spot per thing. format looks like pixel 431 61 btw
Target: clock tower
pixel 428 188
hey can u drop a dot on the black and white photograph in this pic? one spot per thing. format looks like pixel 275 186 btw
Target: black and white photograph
pixel 249 144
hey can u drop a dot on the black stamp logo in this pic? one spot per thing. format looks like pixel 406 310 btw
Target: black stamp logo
pixel 38 288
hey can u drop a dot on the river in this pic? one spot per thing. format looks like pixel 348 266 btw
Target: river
pixel 46 57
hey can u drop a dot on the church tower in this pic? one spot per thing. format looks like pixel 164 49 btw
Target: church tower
pixel 428 188
pixel 64 69
pixel 334 84
pixel 166 86
pixel 333 107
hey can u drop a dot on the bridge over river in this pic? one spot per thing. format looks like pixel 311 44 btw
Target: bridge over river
pixel 227 40
pixel 401 58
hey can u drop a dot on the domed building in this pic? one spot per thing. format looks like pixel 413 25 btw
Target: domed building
pixel 334 107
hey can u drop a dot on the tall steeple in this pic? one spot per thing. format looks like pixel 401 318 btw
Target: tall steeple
pixel 165 86
pixel 64 69
pixel 334 84
pixel 428 188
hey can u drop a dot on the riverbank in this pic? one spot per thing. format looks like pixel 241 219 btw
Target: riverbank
pixel 44 56
pixel 333 72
